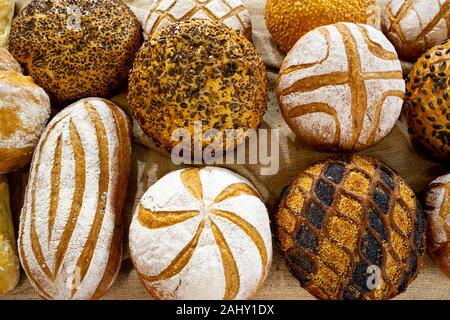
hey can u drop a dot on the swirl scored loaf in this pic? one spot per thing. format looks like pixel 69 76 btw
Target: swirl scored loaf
pixel 70 238
pixel 231 12
pixel 24 112
pixel 342 220
pixel 414 26
pixel 201 234
pixel 437 208
pixel 76 49
pixel 341 87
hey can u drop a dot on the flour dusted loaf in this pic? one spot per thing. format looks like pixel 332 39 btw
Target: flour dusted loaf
pixel 414 26
pixel 232 13
pixel 6 16
pixel 437 209
pixel 341 87
pixel 289 20
pixel 76 49
pixel 201 233
pixel 9 262
pixel 70 240
pixel 351 228
pixel 24 112
pixel 7 62
pixel 197 73
pixel 427 105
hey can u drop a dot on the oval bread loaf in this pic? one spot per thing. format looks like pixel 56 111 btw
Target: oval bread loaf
pixel 70 241
pixel 201 233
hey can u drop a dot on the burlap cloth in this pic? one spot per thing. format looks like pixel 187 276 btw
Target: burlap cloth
pixel 149 164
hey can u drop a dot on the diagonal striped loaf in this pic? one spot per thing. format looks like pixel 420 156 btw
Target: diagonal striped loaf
pixel 232 13
pixel 414 26
pixel 70 238
pixel 351 228
pixel 201 234
pixel 341 88
pixel 437 209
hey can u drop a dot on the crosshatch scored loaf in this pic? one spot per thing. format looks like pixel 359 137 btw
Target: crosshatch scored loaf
pixel 70 238
pixel 343 216
pixel 231 12
pixel 201 233
pixel 437 208
pixel 341 87
pixel 414 26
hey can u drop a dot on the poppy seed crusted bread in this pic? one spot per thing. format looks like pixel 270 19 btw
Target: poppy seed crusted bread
pixel 350 228
pixel 197 72
pixel 76 49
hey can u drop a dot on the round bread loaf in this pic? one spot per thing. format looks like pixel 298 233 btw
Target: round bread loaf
pixel 197 72
pixel 76 49
pixel 201 233
pixel 351 228
pixel 7 62
pixel 232 13
pixel 427 103
pixel 24 112
pixel 341 87
pixel 437 209
pixel 289 20
pixel 414 26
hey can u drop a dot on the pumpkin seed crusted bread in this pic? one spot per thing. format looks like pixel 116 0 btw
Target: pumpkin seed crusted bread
pixel 76 48
pixel 197 71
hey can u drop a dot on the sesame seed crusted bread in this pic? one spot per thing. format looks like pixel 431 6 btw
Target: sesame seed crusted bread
pixel 7 62
pixel 76 49
pixel 70 237
pixel 197 71
pixel 414 26
pixel 437 209
pixel 289 20
pixel 343 219
pixel 24 112
pixel 232 13
pixel 201 233
pixel 341 87
pixel 427 103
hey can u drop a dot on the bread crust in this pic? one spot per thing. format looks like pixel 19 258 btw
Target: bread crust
pixel 70 240
pixel 7 62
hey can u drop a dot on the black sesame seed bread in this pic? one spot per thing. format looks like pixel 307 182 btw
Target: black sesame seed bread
pixel 76 48
pixel 197 70
pixel 343 218
pixel 427 104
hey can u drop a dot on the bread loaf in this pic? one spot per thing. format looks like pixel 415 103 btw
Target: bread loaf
pixel 414 26
pixel 6 15
pixel 201 233
pixel 231 12
pixel 7 62
pixel 9 262
pixel 341 87
pixel 70 241
pixel 437 209
pixel 24 112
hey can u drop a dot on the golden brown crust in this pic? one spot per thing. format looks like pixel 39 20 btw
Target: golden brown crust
pixel 7 62
pixel 197 70
pixel 76 49
pixel 344 215
pixel 427 103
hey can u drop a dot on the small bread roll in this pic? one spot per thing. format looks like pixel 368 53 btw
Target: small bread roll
pixel 201 233
pixel 70 239
pixel 6 15
pixel 24 112
pixel 232 13
pixel 341 87
pixel 437 209
pixel 414 26
pixel 7 62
